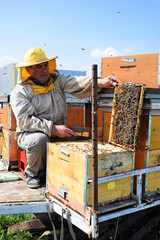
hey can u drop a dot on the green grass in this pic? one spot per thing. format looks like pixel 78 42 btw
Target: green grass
pixel 8 220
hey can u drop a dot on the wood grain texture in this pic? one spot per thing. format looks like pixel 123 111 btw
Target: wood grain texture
pixel 110 191
pixel 9 146
pixel 152 181
pixel 143 70
pixel 7 118
pixel 155 133
pixel 70 166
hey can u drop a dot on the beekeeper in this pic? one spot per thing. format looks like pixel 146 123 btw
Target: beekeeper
pixel 39 104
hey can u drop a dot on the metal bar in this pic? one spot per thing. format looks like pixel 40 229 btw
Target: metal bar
pixel 128 211
pixel 23 208
pixel 126 174
pixel 139 188
pixel 94 155
pixel 77 218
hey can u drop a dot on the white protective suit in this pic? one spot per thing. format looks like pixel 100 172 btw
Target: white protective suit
pixel 35 115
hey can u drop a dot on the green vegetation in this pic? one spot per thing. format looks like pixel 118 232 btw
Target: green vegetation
pixel 8 220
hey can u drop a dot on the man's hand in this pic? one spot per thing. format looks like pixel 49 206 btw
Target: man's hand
pixel 62 131
pixel 108 82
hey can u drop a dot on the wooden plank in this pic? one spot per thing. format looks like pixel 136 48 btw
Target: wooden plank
pixel 34 225
pixel 8 177
pixel 155 133
pixel 107 121
pixel 143 133
pixel 154 158
pixel 7 118
pixel 99 123
pixel 18 191
pixel 152 182
pixel 140 159
pixel 143 70
pixel 110 191
pixel 75 116
pixel 9 146
pixel 117 161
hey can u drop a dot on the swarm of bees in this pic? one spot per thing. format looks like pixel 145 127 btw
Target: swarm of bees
pixel 127 105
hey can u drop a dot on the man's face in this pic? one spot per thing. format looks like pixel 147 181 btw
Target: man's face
pixel 40 72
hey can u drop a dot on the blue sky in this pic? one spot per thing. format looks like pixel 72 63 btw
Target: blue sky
pixel 81 32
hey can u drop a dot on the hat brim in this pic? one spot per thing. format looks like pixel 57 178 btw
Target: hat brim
pixel 24 64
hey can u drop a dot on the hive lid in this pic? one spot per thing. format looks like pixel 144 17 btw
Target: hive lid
pixel 126 115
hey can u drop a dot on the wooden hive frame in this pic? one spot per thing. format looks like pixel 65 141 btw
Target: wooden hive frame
pixel 120 91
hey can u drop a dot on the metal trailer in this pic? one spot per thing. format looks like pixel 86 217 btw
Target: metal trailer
pixel 23 200
pixel 139 200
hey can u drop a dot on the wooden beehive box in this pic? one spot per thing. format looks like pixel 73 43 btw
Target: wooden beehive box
pixel 8 148
pixel 70 168
pixel 134 68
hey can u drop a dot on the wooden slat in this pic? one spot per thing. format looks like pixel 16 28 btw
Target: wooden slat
pixel 153 182
pixel 155 133
pixel 99 123
pixel 75 116
pixel 110 191
pixel 9 146
pixel 114 163
pixel 154 158
pixel 107 121
pixel 143 133
pixel 140 159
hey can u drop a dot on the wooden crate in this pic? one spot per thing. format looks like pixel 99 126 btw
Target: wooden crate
pixel 9 148
pixel 7 118
pixel 70 168
pixel 135 68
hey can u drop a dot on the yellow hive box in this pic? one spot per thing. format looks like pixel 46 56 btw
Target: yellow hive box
pixel 70 169
pixel 152 182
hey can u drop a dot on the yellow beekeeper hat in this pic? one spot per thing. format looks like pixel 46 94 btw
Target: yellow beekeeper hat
pixel 32 57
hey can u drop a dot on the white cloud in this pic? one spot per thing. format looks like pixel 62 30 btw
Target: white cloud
pixel 108 52
pixel 128 51
pixel 8 58
pixel 5 60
